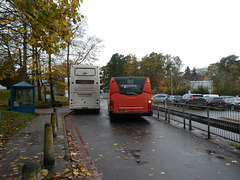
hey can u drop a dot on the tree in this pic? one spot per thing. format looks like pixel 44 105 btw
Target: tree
pixel 201 90
pixel 152 66
pixel 187 74
pixel 131 67
pixel 225 75
pixel 114 68
pixel 50 23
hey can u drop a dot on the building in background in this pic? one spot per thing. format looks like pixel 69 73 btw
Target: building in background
pixel 207 84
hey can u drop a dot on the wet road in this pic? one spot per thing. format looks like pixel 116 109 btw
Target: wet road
pixel 147 148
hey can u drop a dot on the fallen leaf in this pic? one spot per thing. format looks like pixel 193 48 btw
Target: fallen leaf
pixel 162 173
pixel 151 175
pixel 227 164
pixel 100 155
pixel 234 161
pixel 126 158
pixel 66 171
pixel 44 172
pixel 115 144
pixel 75 172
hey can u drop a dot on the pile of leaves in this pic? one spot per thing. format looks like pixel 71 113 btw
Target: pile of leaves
pixel 78 168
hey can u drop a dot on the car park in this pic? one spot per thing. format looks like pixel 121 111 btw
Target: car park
pixel 193 99
pixel 216 102
pixel 159 98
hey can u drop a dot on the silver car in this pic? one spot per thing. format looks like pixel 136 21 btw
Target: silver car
pixel 159 98
pixel 233 103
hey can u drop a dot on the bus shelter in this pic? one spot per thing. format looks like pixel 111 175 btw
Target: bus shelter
pixel 22 98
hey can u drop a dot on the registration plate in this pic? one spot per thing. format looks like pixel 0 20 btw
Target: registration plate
pixel 84 108
pixel 121 111
pixel 220 106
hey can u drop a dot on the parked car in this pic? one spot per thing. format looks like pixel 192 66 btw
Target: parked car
pixel 209 96
pixel 225 97
pixel 159 98
pixel 216 102
pixel 173 98
pixel 195 99
pixel 233 103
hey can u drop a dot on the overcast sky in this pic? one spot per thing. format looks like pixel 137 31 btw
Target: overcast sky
pixel 200 32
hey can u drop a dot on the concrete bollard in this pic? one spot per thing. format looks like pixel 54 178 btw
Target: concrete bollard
pixel 54 123
pixel 49 158
pixel 31 171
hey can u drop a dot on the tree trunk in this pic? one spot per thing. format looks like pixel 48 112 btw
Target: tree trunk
pixel 24 69
pixel 38 79
pixel 68 70
pixel 50 78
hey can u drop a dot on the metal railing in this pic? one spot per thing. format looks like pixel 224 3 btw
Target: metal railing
pixel 221 122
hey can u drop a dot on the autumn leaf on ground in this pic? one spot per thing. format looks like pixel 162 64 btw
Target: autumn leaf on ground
pixel 162 173
pixel 66 171
pixel 75 172
pixel 126 158
pixel 44 172
pixel 138 161
pixel 151 175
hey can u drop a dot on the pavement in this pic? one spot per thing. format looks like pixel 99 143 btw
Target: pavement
pixel 28 145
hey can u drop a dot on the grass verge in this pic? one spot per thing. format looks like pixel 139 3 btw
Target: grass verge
pixel 11 122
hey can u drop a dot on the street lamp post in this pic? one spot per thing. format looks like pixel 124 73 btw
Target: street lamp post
pixel 171 82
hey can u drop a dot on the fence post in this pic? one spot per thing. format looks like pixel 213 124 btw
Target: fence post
pixel 208 119
pixel 54 124
pixel 184 119
pixel 31 170
pixel 190 122
pixel 49 158
pixel 165 112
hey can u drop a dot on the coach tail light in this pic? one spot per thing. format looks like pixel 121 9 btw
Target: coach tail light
pixel 149 105
pixel 111 105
